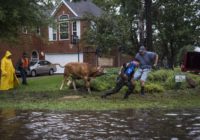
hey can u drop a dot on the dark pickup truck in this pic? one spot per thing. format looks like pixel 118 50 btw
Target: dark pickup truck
pixel 191 62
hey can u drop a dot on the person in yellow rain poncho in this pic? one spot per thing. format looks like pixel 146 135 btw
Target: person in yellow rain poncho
pixel 8 77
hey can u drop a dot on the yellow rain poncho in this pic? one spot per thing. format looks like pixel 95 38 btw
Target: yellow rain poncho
pixel 8 77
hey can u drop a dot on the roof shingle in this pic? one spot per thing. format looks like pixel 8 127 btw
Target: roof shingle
pixel 84 7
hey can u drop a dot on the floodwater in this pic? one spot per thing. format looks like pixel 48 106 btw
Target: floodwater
pixel 153 124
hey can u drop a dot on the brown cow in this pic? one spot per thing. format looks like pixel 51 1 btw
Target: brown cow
pixel 76 70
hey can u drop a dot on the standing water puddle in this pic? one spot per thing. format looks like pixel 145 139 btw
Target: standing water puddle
pixel 99 125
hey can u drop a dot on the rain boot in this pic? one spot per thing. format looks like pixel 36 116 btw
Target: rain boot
pixel 108 93
pixel 142 91
pixel 126 95
pixel 131 87
pixel 103 96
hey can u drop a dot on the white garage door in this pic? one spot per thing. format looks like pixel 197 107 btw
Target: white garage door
pixel 63 59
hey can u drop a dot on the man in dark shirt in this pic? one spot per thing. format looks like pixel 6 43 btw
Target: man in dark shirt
pixel 147 60
pixel 23 66
pixel 125 78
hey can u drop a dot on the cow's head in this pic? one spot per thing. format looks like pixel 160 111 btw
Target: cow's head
pixel 98 71
pixel 101 70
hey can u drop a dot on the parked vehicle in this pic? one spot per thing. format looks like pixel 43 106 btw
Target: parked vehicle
pixel 40 67
pixel 191 62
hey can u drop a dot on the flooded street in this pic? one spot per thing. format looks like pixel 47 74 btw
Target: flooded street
pixel 100 125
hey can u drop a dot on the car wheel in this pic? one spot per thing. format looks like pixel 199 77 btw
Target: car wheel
pixel 50 72
pixel 33 73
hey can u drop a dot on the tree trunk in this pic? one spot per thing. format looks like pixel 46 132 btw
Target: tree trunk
pixel 172 56
pixel 141 23
pixel 148 11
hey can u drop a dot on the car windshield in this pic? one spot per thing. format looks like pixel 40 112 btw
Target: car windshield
pixel 33 63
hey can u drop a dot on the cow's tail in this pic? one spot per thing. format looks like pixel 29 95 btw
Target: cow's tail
pixel 58 65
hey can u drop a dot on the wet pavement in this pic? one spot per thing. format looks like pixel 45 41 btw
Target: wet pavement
pixel 153 124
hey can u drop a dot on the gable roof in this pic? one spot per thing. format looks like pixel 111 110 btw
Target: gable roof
pixel 81 8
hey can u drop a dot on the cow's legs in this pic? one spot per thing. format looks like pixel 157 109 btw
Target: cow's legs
pixel 87 84
pixel 89 90
pixel 74 84
pixel 63 82
pixel 69 82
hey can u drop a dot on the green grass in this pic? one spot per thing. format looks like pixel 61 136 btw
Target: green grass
pixel 43 83
pixel 48 101
pixel 43 93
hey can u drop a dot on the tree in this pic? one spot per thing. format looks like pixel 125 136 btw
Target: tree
pixel 117 28
pixel 176 25
pixel 107 32
pixel 14 15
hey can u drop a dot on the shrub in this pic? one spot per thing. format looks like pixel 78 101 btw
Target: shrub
pixel 153 87
pixel 160 75
pixel 158 81
pixel 106 81
pixel 170 83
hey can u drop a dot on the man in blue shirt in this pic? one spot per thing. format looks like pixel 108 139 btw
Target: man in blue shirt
pixel 147 60
pixel 125 78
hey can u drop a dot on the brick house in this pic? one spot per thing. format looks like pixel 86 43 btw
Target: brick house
pixel 70 24
pixel 54 43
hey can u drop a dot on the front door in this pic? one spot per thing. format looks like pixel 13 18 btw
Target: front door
pixel 34 56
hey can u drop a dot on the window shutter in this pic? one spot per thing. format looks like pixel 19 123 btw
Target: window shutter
pixel 78 27
pixel 50 34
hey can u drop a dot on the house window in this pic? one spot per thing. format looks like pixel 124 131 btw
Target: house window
pixel 38 31
pixel 93 25
pixel 24 30
pixel 64 27
pixel 74 28
pixel 52 33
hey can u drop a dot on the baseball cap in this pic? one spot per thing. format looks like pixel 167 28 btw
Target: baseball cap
pixel 142 48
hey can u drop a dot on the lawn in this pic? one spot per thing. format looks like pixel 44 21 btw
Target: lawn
pixel 43 93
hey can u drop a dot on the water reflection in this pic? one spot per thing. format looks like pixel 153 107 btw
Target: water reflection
pixel 100 125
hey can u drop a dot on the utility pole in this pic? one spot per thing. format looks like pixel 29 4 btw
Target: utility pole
pixel 75 41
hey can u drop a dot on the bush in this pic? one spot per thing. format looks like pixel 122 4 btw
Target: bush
pixel 153 87
pixel 158 81
pixel 170 83
pixel 160 75
pixel 106 81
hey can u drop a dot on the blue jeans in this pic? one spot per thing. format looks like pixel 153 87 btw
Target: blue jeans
pixel 23 75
